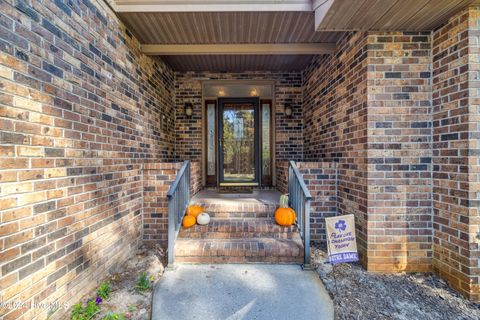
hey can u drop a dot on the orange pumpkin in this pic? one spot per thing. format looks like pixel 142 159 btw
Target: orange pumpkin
pixel 188 221
pixel 194 210
pixel 284 215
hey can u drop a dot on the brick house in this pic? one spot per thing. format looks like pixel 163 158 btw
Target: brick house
pixel 102 101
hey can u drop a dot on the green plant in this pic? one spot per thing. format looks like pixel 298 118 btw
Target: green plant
pixel 114 316
pixel 91 309
pixel 143 284
pixel 104 290
pixel 87 312
pixel 77 311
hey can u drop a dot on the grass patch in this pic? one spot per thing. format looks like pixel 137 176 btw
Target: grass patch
pixel 143 284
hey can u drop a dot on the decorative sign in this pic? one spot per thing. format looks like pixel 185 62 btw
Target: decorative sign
pixel 342 243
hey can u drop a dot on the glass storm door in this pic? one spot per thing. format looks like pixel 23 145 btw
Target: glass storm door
pixel 239 156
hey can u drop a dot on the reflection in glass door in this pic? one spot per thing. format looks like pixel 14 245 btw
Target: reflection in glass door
pixel 238 141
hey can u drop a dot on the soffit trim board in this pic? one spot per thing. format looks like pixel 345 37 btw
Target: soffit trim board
pixel 239 49
pixel 211 6
pixel 321 7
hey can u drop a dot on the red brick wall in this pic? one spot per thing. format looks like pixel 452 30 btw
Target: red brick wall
pixel 80 111
pixel 335 117
pixel 157 179
pixel 321 180
pixel 456 152
pixel 196 177
pixel 282 176
pixel 399 152
pixel 288 131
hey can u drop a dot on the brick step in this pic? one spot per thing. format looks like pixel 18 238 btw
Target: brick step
pixel 254 209
pixel 239 228
pixel 241 215
pixel 255 250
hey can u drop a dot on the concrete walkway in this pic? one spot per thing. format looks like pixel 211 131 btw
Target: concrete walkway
pixel 236 291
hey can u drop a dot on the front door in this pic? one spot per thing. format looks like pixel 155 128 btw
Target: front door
pixel 239 142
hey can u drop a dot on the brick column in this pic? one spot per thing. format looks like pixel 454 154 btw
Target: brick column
pixel 157 179
pixel 321 181
pixel 456 152
pixel 399 152
pixel 368 108
pixel 335 123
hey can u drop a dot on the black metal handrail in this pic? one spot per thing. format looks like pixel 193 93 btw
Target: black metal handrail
pixel 299 198
pixel 178 198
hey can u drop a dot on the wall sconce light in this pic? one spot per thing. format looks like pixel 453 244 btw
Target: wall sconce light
pixel 288 110
pixel 188 109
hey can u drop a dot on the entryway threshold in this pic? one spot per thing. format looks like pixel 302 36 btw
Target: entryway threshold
pixel 241 291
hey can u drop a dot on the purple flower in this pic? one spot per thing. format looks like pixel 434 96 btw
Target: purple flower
pixel 98 300
pixel 341 225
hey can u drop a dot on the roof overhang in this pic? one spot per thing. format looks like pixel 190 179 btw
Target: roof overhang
pixel 248 33
pixel 385 15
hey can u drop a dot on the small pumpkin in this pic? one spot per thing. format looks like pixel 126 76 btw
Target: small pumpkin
pixel 194 210
pixel 188 221
pixel 284 215
pixel 203 218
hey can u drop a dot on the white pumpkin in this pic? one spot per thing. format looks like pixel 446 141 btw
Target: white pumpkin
pixel 203 218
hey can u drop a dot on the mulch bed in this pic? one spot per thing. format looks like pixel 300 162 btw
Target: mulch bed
pixel 357 294
pixel 124 299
